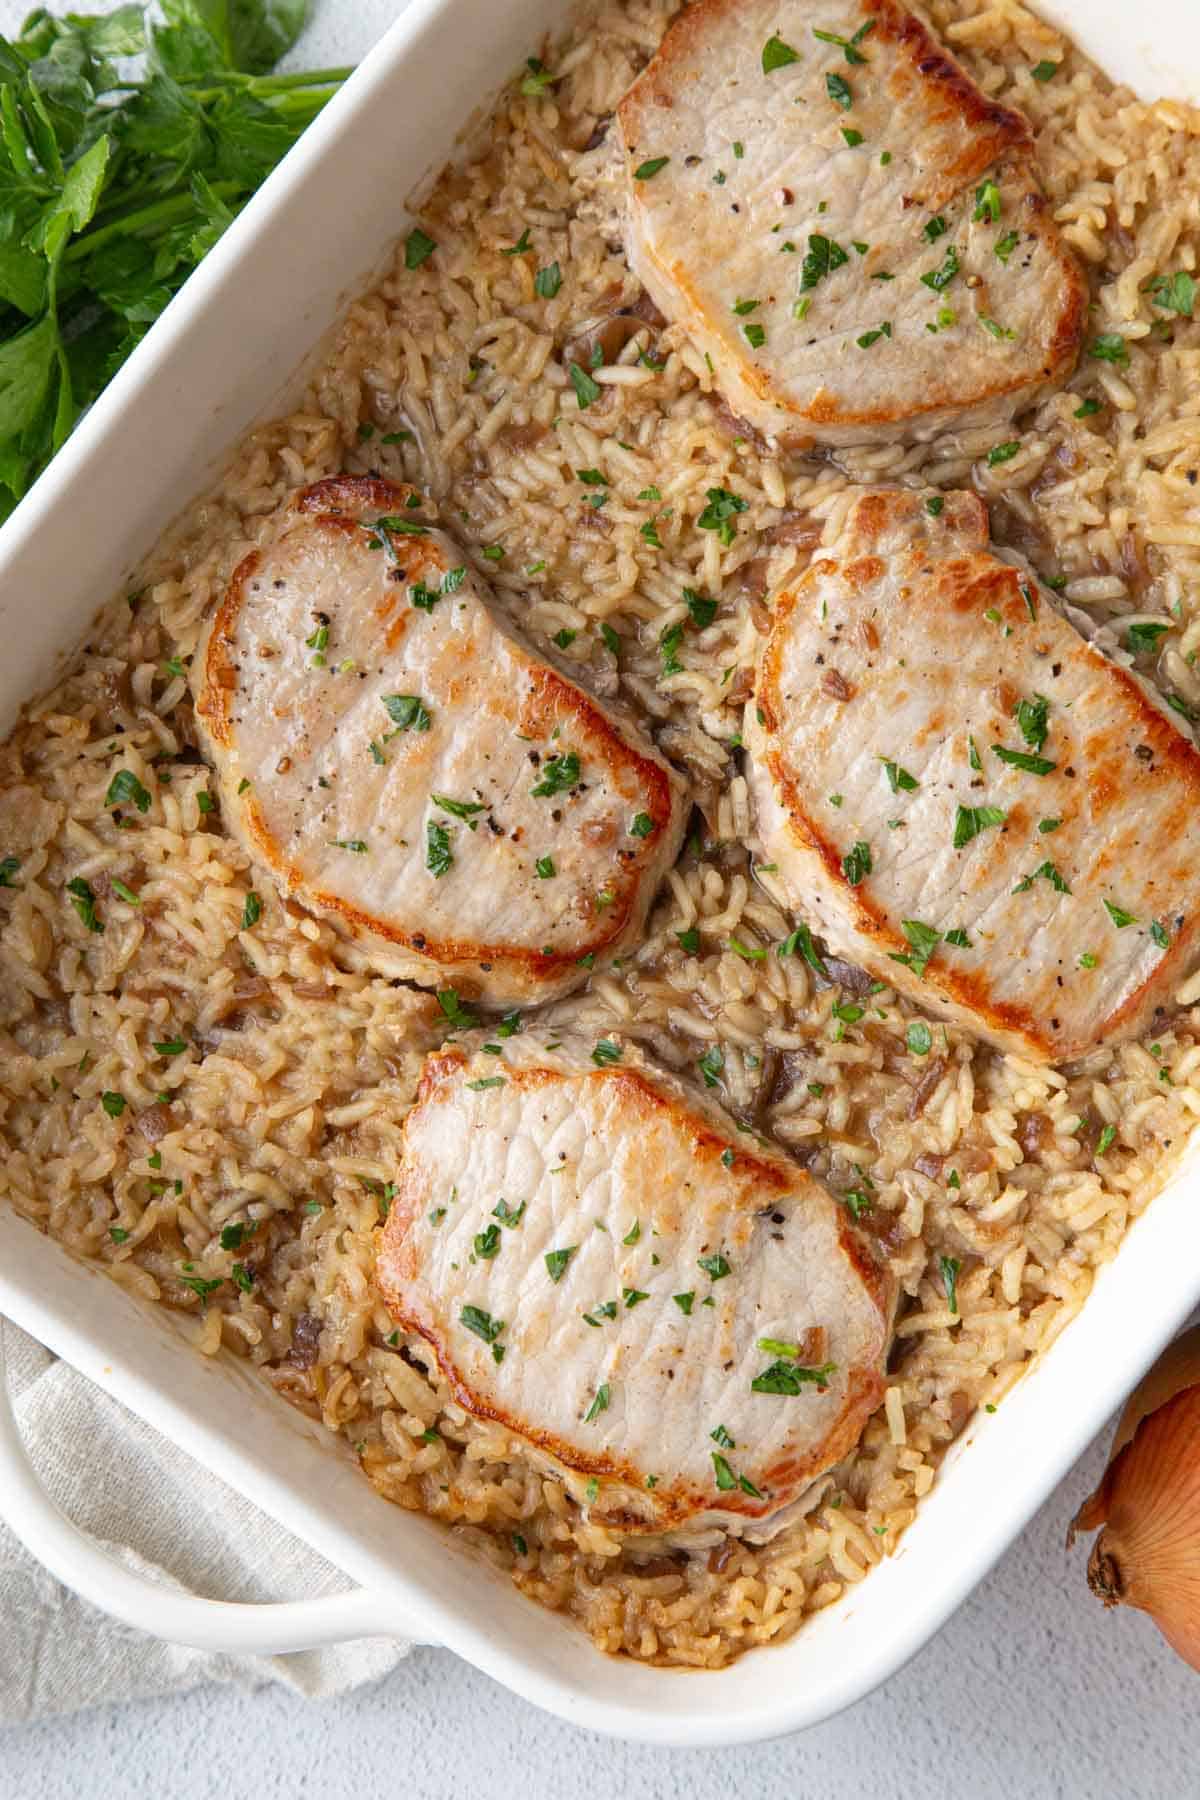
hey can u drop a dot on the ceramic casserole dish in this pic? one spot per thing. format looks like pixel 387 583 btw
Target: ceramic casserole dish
pixel 223 356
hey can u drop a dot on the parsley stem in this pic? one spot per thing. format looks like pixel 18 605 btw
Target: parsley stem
pixel 146 218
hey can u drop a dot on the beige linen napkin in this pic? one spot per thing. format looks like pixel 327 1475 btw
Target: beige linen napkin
pixel 118 1479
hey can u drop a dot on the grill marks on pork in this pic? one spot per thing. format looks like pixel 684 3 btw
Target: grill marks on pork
pixel 594 1253
pixel 401 762
pixel 1016 841
pixel 861 248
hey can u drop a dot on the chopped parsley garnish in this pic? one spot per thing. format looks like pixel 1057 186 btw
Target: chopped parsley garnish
pixel 520 247
pixel 838 89
pixel 899 780
pixel 557 1260
pixel 872 337
pixel 547 281
pixel 940 278
pixel 684 1302
pixel 711 1064
pixel 935 228
pixel 645 171
pixel 481 1323
pixel 1044 71
pixel 633 1235
pixel 126 786
pixel 824 255
pixel 1118 915
pixel 801 939
pixel 1045 826
pixel 1021 759
pixel 1045 872
pixel 849 46
pixel 741 307
pixel 438 857
pixel 987 202
pixel 714 1266
pixel 725 1477
pixel 545 868
pixel 9 866
pixel 996 330
pixel 171 1047
pixel 1087 960
pixel 251 911
pixel 1110 346
pixel 1002 453
pixel 538 79
pixel 84 902
pixel 689 940
pixel 488 1081
pixel 924 940
pixel 1087 409
pixel 356 846
pixel 599 1404
pixel 417 248
pixel 119 889
pixel 755 336
pixel 722 1437
pixel 1143 636
pixel 852 137
pixel 649 532
pixel 958 938
pixel 1004 246
pixel 856 864
pixel 1159 934
pixel 612 641
pixel 777 55
pixel 1174 293
pixel 605 1051
pixel 118 1234
pixel 668 645
pixel 747 952
pixel 950 1268
pixel 1105 1140
pixel 113 1104
pixel 789 1377
pixel 587 392
pixel 201 1288
pixel 506 1215
pixel 455 1013
pixel 460 809
pixel 703 610
pixel 631 1296
pixel 559 775
pixel 919 1038
pixel 934 504
pixel 1032 716
pixel 720 512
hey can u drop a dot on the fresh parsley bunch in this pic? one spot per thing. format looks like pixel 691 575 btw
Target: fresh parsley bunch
pixel 116 178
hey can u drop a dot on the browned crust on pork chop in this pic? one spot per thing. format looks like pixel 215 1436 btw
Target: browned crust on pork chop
pixel 995 129
pixel 335 505
pixel 674 1504
pixel 972 583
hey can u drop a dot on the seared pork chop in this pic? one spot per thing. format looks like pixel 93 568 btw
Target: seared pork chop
pixel 965 796
pixel 683 1323
pixel 851 230
pixel 402 763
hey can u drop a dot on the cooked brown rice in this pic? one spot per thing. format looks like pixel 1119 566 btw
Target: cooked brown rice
pixel 264 1075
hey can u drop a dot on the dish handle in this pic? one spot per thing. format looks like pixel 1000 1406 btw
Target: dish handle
pixel 82 1564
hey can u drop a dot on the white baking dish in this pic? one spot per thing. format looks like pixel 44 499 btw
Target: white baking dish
pixel 223 356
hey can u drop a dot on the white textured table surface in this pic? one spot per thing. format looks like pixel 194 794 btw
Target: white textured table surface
pixel 1030 1693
